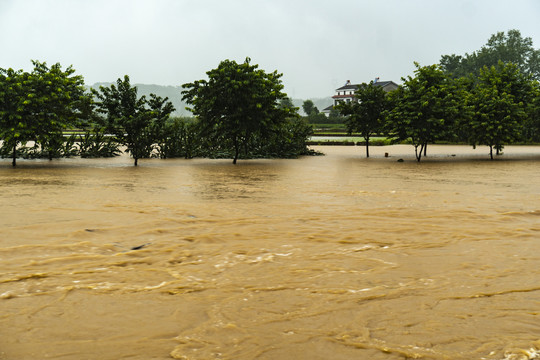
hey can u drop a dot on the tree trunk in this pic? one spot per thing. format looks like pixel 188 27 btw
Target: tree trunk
pixel 136 160
pixel 236 151
pixel 425 149
pixel 419 153
pixel 491 151
pixel 14 161
pixel 367 146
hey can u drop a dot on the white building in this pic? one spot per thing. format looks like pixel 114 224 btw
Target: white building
pixel 346 92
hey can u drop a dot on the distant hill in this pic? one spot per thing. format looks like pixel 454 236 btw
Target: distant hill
pixel 174 93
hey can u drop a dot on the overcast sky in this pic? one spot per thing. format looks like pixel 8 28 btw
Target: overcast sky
pixel 316 44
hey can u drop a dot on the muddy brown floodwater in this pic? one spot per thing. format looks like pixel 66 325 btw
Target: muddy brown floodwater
pixel 330 257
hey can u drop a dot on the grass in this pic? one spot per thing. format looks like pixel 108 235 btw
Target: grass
pixel 347 140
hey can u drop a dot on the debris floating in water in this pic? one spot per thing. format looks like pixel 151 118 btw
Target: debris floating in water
pixel 140 246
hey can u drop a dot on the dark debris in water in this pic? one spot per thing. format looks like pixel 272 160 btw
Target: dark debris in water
pixel 139 246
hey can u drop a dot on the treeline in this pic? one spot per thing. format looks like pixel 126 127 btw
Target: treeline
pixel 48 113
pixel 491 98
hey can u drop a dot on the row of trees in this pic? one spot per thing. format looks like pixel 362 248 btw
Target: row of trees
pixel 493 105
pixel 240 111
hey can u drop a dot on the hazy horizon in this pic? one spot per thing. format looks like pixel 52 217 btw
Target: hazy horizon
pixel 317 45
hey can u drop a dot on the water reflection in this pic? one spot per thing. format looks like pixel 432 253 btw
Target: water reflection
pixel 251 180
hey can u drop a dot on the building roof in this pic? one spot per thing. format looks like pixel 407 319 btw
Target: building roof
pixel 328 108
pixel 349 86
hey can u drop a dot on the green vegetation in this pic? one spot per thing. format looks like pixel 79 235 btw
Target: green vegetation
pixel 490 97
pixel 37 107
pixel 498 104
pixel 423 109
pixel 365 116
pixel 329 128
pixel 243 108
pixel 135 121
pixel 510 48
pixel 240 112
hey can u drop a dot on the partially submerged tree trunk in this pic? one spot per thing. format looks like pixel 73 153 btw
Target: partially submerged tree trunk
pixel 236 150
pixel 417 153
pixel 367 145
pixel 14 161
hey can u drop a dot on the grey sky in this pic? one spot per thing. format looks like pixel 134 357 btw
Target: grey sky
pixel 317 44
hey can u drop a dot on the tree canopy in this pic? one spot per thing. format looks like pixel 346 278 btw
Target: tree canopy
pixel 39 105
pixel 423 108
pixel 237 103
pixel 366 115
pixel 508 47
pixel 499 106
pixel 134 120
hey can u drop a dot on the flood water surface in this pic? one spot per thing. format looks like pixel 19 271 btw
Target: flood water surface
pixel 329 257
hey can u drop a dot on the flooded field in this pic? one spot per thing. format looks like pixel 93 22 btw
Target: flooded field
pixel 329 257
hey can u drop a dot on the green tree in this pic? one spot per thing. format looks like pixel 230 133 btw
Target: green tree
pixel 499 101
pixel 161 110
pixel 59 96
pixel 38 106
pixel 15 98
pixel 365 116
pixel 508 48
pixel 133 120
pixel 531 127
pixel 308 107
pixel 424 108
pixel 236 103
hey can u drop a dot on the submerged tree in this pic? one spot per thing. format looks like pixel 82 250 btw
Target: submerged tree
pixel 15 127
pixel 59 97
pixel 499 101
pixel 131 119
pixel 237 103
pixel 424 108
pixel 531 127
pixel 38 106
pixel 365 116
